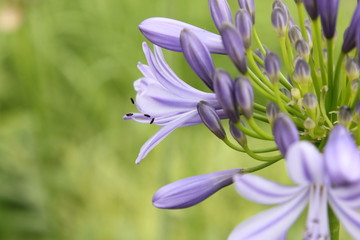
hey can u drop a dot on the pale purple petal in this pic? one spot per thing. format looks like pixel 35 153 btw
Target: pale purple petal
pixel 349 194
pixel 263 191
pixel 349 217
pixel 165 33
pixel 163 132
pixel 271 224
pixel 193 190
pixel 305 163
pixel 342 158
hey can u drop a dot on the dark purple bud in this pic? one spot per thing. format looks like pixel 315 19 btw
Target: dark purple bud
pixel 234 46
pixel 220 12
pixel 224 90
pixel 259 53
pixel 345 115
pixel 249 6
pixel 238 135
pixel 285 132
pixel 302 48
pixel 244 95
pixel 272 67
pixel 244 24
pixel 311 8
pixel 198 56
pixel 352 68
pixel 310 101
pixel 272 111
pixel 350 32
pixel 302 71
pixel 190 191
pixel 294 34
pixel 211 119
pixel 328 10
pixel 279 20
pixel 341 157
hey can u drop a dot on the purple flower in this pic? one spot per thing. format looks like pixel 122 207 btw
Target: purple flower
pixel 309 169
pixel 190 191
pixel 328 10
pixel 165 100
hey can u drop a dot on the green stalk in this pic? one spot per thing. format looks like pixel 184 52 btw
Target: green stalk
pixel 334 225
pixel 317 34
pixel 334 92
pixel 259 167
pixel 285 56
pixel 261 158
pixel 258 130
pixel 257 39
pixel 302 20
pixel 249 132
pixel 330 57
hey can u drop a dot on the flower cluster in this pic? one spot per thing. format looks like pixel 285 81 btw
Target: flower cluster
pixel 313 112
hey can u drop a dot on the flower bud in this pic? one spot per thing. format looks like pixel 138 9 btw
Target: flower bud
pixel 272 111
pixel 294 34
pixel 190 191
pixel 244 95
pixel 328 10
pixel 286 92
pixel 220 12
pixel 198 56
pixel 309 124
pixel 357 109
pixel 223 86
pixel 352 68
pixel 279 20
pixel 310 101
pixel 244 25
pixel 211 119
pixel 295 92
pixel 309 36
pixel 249 6
pixel 302 72
pixel 350 32
pixel 285 132
pixel 345 115
pixel 303 49
pixel 238 135
pixel 311 8
pixel 355 85
pixel 234 46
pixel 272 66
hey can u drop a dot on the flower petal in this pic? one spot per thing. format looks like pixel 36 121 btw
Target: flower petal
pixel 165 33
pixel 263 191
pixel 163 132
pixel 305 163
pixel 271 224
pixel 349 194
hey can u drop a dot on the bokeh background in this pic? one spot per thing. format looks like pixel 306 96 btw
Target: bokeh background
pixel 66 156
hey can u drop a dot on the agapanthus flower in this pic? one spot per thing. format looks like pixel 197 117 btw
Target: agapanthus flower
pixel 331 178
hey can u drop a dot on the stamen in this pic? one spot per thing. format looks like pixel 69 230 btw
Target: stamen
pixel 129 114
pixel 152 120
pixel 147 115
pixel 132 100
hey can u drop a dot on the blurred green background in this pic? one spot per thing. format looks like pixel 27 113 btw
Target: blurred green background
pixel 66 156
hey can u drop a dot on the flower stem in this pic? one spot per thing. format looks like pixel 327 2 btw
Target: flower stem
pixel 333 225
pixel 259 167
pixel 261 158
pixel 259 130
pixel 317 36
pixel 257 39
pixel 285 56
pixel 334 92
pixel 302 20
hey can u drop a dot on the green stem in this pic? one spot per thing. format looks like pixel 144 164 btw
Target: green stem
pixel 333 225
pixel 258 130
pixel 260 107
pixel 330 57
pixel 249 132
pixel 285 56
pixel 260 117
pixel 257 39
pixel 240 149
pixel 302 20
pixel 334 92
pixel 317 35
pixel 261 158
pixel 259 167
pixel 256 69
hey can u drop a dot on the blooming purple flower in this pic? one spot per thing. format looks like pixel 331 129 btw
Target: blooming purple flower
pixel 193 190
pixel 165 100
pixel 309 169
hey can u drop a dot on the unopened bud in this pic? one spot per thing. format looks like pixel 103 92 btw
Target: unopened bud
pixel 355 85
pixel 310 101
pixel 272 110
pixel 238 135
pixel 286 92
pixel 220 12
pixel 295 92
pixel 303 49
pixel 249 6
pixel 244 96
pixel 244 24
pixel 272 66
pixel 352 68
pixel 211 119
pixel 309 124
pixel 294 34
pixel 302 72
pixel 285 132
pixel 345 115
pixel 311 8
pixel 279 20
pixel 357 109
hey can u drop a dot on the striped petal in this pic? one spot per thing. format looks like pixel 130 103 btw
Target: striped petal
pixel 349 194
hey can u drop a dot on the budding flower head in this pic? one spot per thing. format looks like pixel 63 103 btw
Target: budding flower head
pixel 190 191
pixel 220 12
pixel 249 6
pixel 238 135
pixel 223 86
pixel 272 66
pixel 279 20
pixel 244 24
pixel 211 119
pixel 272 111
pixel 285 132
pixel 244 95
pixel 345 115
pixel 234 46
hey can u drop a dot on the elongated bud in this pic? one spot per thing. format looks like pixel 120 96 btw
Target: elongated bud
pixel 342 160
pixel 303 49
pixel 249 6
pixel 355 85
pixel 309 124
pixel 345 115
pixel 302 71
pixel 234 46
pixel 310 101
pixel 198 56
pixel 352 68
pixel 328 10
pixel 309 36
pixel 190 191
pixel 280 4
pixel 220 12
pixel 285 133
pixel 211 119
pixel 350 32
pixel 223 86
pixel 238 135
pixel 311 8
pixel 244 24
pixel 294 34
pixel 272 111
pixel 286 92
pixel 244 95
pixel 272 67
pixel 279 20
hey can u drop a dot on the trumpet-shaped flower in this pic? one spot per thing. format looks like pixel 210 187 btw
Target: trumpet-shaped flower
pixel 165 100
pixel 315 175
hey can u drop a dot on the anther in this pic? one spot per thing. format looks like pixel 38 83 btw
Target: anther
pixel 132 100
pixel 147 115
pixel 129 114
pixel 152 120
